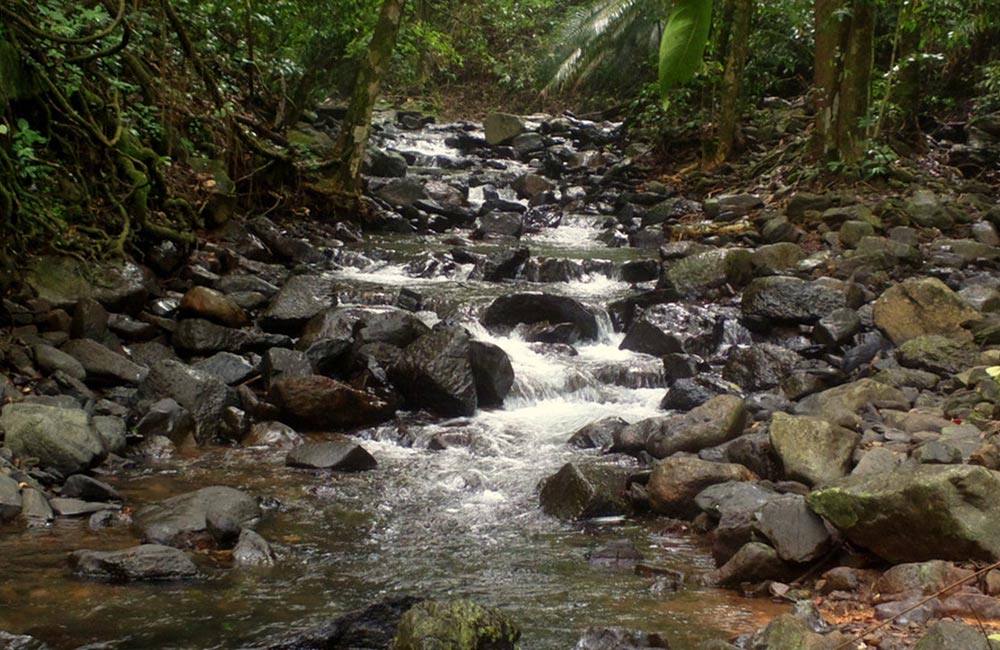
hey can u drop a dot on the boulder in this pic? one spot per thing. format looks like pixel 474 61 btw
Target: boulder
pixel 231 368
pixel 674 327
pixel 719 419
pixel 166 418
pixel 501 128
pixel 215 306
pixel 84 487
pixel 318 402
pixel 10 498
pixel 597 435
pixel 143 563
pixel 951 635
pixel 273 434
pixel 493 373
pixel 917 513
pixel 812 449
pixel 183 520
pixel 65 281
pixel 436 373
pixel 753 562
pixel 619 638
pixel 585 491
pixel 340 454
pixel 841 404
pixel 925 209
pixel 50 359
pixel 938 354
pixel 370 628
pixel 794 531
pixel 760 366
pixel 101 363
pixel 204 396
pixel 507 311
pixel 698 274
pixel 373 324
pixel 783 299
pixel 788 632
pixel 455 625
pixel 203 337
pixel 920 307
pixel 282 362
pixel 677 480
pixel 62 438
pixel 734 506
pixel 301 298
pixel 253 550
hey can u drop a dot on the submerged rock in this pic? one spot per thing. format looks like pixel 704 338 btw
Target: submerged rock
pixel 455 625
pixel 137 564
pixel 341 454
pixel 510 310
pixel 184 520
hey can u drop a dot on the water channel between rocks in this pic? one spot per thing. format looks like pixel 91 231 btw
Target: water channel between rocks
pixel 458 522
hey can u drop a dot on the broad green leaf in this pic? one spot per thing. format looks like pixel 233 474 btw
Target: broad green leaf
pixel 683 42
pixel 3 129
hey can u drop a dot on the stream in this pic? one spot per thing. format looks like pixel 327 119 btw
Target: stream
pixel 462 521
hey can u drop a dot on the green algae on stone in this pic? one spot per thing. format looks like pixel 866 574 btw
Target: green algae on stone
pixel 455 625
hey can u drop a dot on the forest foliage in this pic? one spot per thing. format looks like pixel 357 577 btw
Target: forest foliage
pixel 128 122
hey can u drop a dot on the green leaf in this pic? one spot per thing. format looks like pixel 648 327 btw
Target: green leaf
pixel 3 129
pixel 683 42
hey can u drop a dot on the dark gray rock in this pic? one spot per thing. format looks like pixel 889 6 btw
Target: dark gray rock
pixel 340 454
pixel 504 265
pixel 50 359
pixel 10 498
pixel 493 373
pixel 231 368
pixel 166 418
pixel 371 628
pixel 796 533
pixel 619 638
pixel 436 373
pixel 35 507
pixel 205 396
pixel 301 298
pixel 372 324
pixel 182 520
pixel 62 438
pixel 510 310
pixel 597 435
pixel 147 562
pixel 103 364
pixel 69 507
pixel 253 550
pixel 783 299
pixel 273 434
pixel 754 562
pixel 585 491
pixel 837 327
pixel 760 366
pixel 89 489
pixel 734 505
pixel 674 327
pixel 282 362
pixel 699 274
pixel 951 635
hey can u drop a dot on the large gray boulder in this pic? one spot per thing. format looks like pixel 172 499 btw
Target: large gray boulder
pixel 340 454
pixel 760 366
pixel 917 513
pixel 61 438
pixel 585 491
pixel 146 562
pixel 812 449
pixel 842 404
pixel 789 300
pixel 920 307
pixel 698 274
pixel 718 420
pixel 734 505
pixel 301 298
pixel 674 327
pixel 435 373
pixel 210 514
pixel 101 363
pixel 373 324
pixel 501 128
pixel 202 394
pixel 492 371
pixel 508 311
pixel 795 532
pixel 952 635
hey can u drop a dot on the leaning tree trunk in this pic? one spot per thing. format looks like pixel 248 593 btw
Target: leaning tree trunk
pixel 732 79
pixel 845 31
pixel 354 132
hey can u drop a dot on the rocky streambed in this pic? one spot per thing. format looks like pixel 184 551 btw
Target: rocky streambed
pixel 542 397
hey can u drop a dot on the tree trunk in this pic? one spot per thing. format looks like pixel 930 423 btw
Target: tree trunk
pixel 354 132
pixel 732 78
pixel 845 31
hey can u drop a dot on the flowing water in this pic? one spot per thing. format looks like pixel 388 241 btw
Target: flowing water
pixel 458 522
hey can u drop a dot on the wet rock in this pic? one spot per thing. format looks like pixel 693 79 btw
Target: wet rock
pixel 10 498
pixel 386 164
pixel 50 360
pixel 89 489
pixel 301 298
pixel 501 128
pixel 772 259
pixel 636 271
pixel 166 418
pixel 504 265
pixel 719 419
pixel 199 336
pixel 35 508
pixel 371 628
pixel 318 402
pixel 619 554
pixel 812 449
pixel 436 373
pixel 677 480
pixel 760 366
pixel 183 520
pixel 784 299
pixel 253 550
pixel 273 434
pixel 686 394
pixel 147 562
pixel 938 354
pixel 698 274
pixel 788 632
pixel 231 368
pixel 68 507
pixel 597 435
pixel 493 373
pixel 282 362
pixel 734 506
pixel 153 449
pixel 212 305
pixel 62 438
pixel 585 491
pixel 203 395
pixel 619 638
pixel 373 324
pixel 499 224
pixel 753 562
pixel 794 531
pixel 340 454
pixel 949 635
pixel 528 186
pixel 281 243
pixel 457 625
pixel 663 329
pixel 886 513
pixel 837 327
pixel 21 642
pixel 920 307
pixel 102 363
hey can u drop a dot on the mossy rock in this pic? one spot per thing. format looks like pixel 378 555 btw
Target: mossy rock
pixel 455 625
